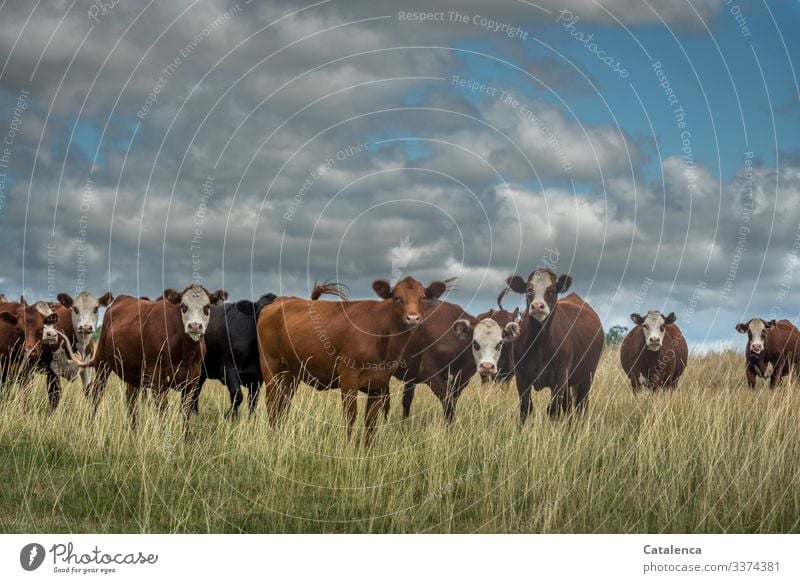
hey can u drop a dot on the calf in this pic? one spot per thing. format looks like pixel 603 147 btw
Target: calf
pixel 559 344
pixel 156 345
pixel 773 342
pixel 654 353
pixel 232 351
pixel 350 345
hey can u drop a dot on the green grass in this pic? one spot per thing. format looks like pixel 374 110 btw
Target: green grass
pixel 711 457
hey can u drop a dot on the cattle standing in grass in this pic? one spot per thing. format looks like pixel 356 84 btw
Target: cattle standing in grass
pixel 350 345
pixel 25 331
pixel 654 353
pixel 157 345
pixel 559 345
pixel 77 321
pixel 439 357
pixel 232 351
pixel 773 342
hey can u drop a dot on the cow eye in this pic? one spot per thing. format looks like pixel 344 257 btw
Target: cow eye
pixel 398 299
pixel 476 346
pixel 206 309
pixel 184 308
pixel 96 308
pixel 662 327
pixel 499 346
pixel 75 310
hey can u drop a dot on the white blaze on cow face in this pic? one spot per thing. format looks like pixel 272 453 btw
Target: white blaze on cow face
pixel 757 333
pixel 653 328
pixel 195 311
pixel 488 338
pixel 538 302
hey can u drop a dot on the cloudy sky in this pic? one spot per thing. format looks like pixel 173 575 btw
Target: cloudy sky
pixel 650 149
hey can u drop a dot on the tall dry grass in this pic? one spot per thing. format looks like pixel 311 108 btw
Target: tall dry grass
pixel 712 456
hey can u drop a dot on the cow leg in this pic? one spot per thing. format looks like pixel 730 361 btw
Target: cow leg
pixel 132 399
pixel 160 395
pixel 751 376
pixel 374 402
pixel 777 373
pixel 350 408
pixel 385 403
pixel 252 395
pixel 582 397
pixel 408 398
pixel 234 384
pixel 524 391
pixel 53 389
pixel 278 392
pixel 559 399
pixel 94 391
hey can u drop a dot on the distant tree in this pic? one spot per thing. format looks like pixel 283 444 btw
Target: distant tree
pixel 615 335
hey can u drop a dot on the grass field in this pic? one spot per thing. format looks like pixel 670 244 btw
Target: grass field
pixel 711 457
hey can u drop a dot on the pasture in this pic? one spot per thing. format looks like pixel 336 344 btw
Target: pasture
pixel 711 457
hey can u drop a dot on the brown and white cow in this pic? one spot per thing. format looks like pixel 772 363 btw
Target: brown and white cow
pixel 654 353
pixel 505 364
pixel 154 344
pixel 350 345
pixel 770 342
pixel 77 321
pixel 25 331
pixel 559 345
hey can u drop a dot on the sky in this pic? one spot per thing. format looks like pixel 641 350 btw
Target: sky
pixel 648 149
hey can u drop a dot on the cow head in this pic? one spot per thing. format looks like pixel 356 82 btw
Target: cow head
pixel 487 338
pixel 757 331
pixel 34 326
pixel 409 297
pixel 85 311
pixel 653 326
pixel 541 291
pixel 195 302
pixel 253 309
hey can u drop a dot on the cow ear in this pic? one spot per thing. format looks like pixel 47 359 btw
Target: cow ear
pixel 8 317
pixel 382 288
pixel 563 283
pixel 172 296
pixel 516 284
pixel 516 313
pixel 246 307
pixel 218 297
pixel 106 299
pixel 637 319
pixel 435 290
pixel 771 323
pixel 22 300
pixel 670 319
pixel 741 328
pixel 65 300
pixel 510 332
pixel 463 329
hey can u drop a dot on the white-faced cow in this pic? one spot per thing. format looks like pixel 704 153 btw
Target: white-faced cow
pixel 559 345
pixel 654 353
pixel 154 344
pixel 770 342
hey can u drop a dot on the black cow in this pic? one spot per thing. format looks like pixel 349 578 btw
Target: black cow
pixel 232 351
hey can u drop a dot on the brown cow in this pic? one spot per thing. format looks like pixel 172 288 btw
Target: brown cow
pixel 25 329
pixel 559 345
pixel 774 342
pixel 352 345
pixel 155 344
pixel 654 353
pixel 438 356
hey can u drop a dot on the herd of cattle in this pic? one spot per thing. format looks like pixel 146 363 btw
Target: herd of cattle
pixel 183 338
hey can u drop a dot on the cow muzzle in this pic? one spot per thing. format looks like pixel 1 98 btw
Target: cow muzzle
pixel 49 337
pixel 412 319
pixel 195 330
pixel 487 370
pixel 85 329
pixel 539 312
pixel 654 344
pixel 756 348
